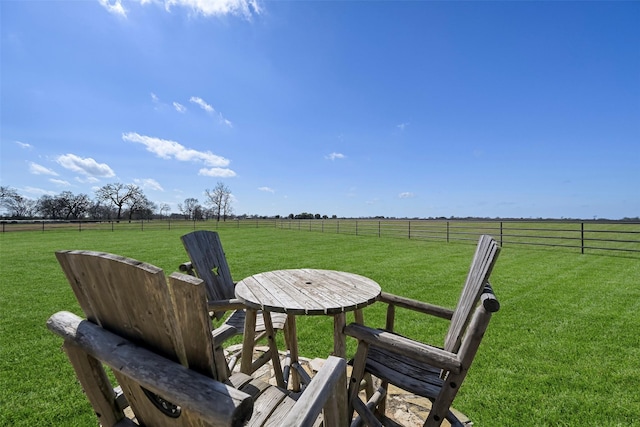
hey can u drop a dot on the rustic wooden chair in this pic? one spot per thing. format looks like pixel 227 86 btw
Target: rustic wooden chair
pixel 420 368
pixel 156 337
pixel 209 263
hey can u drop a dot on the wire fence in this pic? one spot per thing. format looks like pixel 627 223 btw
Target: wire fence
pixel 582 236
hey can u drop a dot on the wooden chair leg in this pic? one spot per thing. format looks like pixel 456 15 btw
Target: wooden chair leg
pixel 95 384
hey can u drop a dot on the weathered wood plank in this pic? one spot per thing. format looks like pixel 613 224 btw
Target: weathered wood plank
pixel 413 349
pixel 207 257
pixel 419 306
pixel 484 259
pixel 205 397
pixel 188 297
pixel 330 396
pixel 307 291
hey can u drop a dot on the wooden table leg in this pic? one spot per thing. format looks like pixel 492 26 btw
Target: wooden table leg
pixel 292 341
pixel 248 341
pixel 339 338
pixel 273 348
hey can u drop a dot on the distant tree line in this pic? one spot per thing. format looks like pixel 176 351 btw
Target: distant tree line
pixel 114 201
pixel 306 215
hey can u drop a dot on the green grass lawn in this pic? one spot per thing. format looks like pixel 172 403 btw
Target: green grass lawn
pixel 563 349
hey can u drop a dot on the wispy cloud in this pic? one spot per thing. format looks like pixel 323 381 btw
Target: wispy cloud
pixel 148 183
pixel 86 166
pixel 267 189
pixel 24 145
pixel 167 149
pixel 406 195
pixel 217 172
pixel 114 7
pixel 201 102
pixel 37 169
pixel 334 156
pixel 179 107
pixel 243 8
pixel 402 126
pixel 60 182
pixel 88 179
pixel 209 109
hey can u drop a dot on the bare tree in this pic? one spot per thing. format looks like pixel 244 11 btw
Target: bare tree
pixel 189 208
pixel 16 205
pixel 164 207
pixel 138 203
pixel 72 205
pixel 220 200
pixel 49 207
pixel 101 212
pixel 118 195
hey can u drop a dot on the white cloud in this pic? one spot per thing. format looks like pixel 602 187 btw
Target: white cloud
pixel 402 126
pixel 218 172
pixel 37 169
pixel 60 182
pixel 244 8
pixel 86 166
pixel 267 189
pixel 24 145
pixel 199 101
pixel 148 183
pixel 406 195
pixel 334 156
pixel 89 180
pixel 115 8
pixel 167 149
pixel 209 109
pixel 179 107
pixel 154 97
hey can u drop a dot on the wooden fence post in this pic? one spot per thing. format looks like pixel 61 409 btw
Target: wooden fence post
pixel 447 231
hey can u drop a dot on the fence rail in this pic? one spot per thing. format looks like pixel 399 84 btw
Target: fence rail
pixel 596 235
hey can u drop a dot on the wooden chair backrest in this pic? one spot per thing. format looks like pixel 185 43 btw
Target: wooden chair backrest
pixel 208 259
pixel 481 266
pixel 132 299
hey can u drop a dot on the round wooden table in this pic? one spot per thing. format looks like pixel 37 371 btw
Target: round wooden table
pixel 301 292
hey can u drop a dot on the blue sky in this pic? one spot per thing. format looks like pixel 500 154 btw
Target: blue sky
pixel 348 108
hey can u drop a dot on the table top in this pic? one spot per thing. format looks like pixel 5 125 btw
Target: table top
pixel 307 291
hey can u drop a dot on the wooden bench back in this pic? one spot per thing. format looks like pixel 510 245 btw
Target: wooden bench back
pixel 478 278
pixel 208 259
pixel 133 300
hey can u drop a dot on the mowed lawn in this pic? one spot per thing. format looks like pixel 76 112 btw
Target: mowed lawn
pixel 563 350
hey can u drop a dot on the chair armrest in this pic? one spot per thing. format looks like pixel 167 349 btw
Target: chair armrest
pixel 420 306
pixel 327 390
pixel 225 304
pixel 223 333
pixel 398 344
pixel 205 397
pixel 187 267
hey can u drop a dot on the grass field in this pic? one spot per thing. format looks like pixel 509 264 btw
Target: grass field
pixel 563 350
